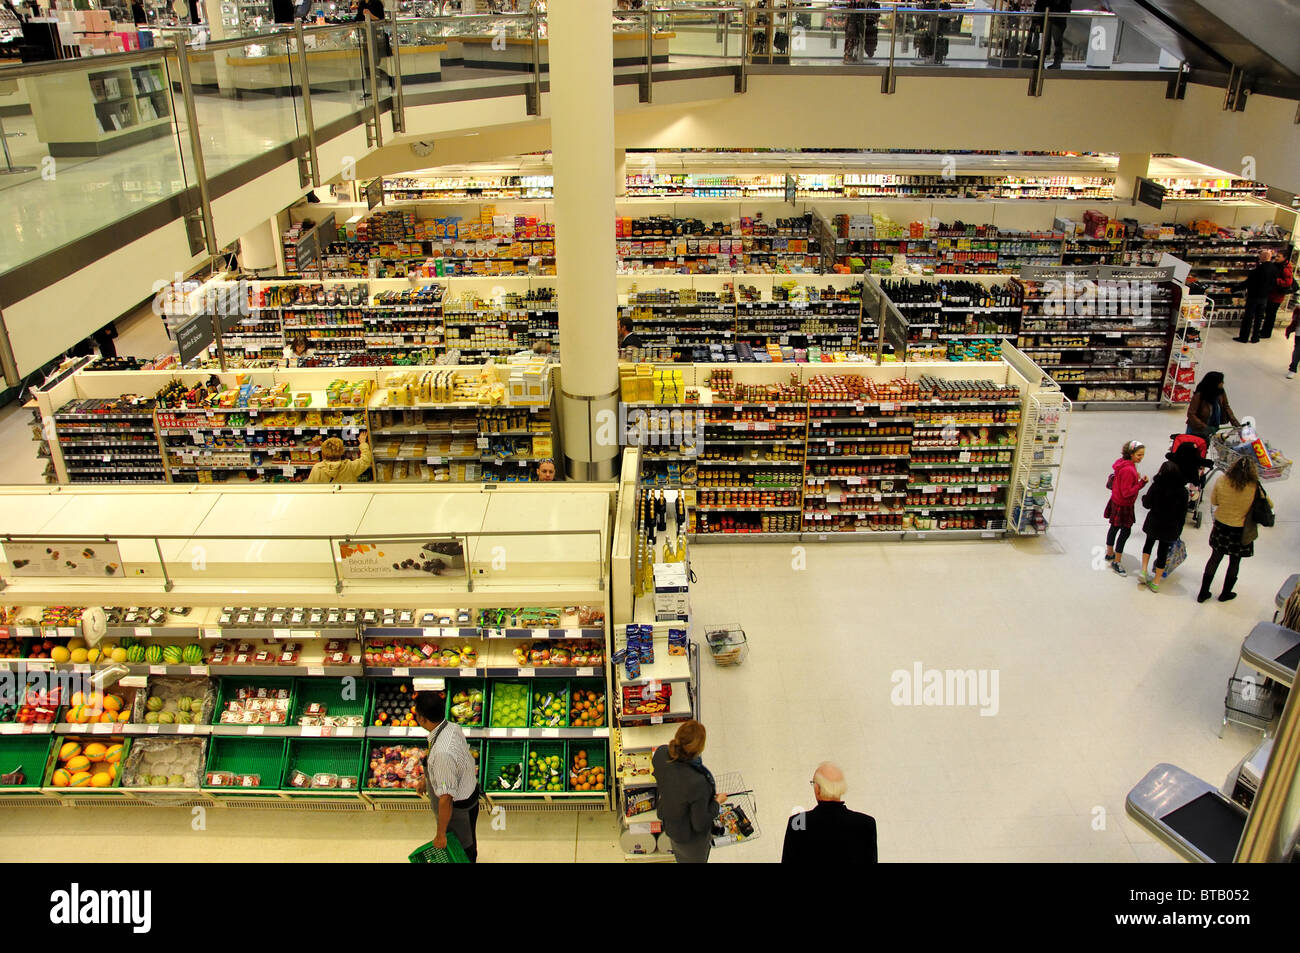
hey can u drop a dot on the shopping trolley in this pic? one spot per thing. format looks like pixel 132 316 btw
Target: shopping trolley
pixel 727 643
pixel 1228 444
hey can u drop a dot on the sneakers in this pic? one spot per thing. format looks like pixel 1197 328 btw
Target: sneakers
pixel 1120 570
pixel 1290 374
pixel 1152 584
pixel 1226 597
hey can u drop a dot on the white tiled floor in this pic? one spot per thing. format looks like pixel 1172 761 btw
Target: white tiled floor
pixel 1098 682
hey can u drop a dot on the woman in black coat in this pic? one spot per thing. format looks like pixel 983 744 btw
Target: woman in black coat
pixel 688 798
pixel 1167 499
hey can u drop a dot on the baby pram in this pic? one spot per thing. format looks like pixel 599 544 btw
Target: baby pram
pixel 1196 489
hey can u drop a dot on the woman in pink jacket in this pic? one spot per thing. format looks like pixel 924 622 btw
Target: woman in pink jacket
pixel 1125 484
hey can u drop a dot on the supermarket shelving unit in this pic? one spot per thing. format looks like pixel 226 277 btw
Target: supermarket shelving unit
pixel 1038 470
pixel 299 557
pixel 461 440
pixel 1195 314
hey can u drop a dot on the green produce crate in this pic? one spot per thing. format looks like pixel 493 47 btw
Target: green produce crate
pixel 547 749
pixel 240 754
pixel 589 684
pixel 453 853
pixel 376 744
pixel 597 757
pixel 330 693
pixel 499 753
pixel 111 792
pixel 329 756
pixel 496 717
pixel 230 685
pixel 377 686
pixel 542 688
pixel 30 752
pixel 455 685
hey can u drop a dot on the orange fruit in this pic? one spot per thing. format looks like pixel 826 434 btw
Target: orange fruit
pixel 70 749
pixel 78 765
pixel 123 716
pixel 112 703
pixel 61 778
pixel 101 780
pixel 114 754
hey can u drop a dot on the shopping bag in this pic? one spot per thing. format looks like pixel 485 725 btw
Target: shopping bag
pixel 1177 556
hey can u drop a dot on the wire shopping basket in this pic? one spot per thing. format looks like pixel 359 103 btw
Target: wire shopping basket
pixel 737 822
pixel 1229 444
pixel 727 643
pixel 453 853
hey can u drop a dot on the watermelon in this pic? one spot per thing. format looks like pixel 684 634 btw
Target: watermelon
pixel 172 655
pixel 192 655
pixel 135 654
pixel 154 654
pixel 127 641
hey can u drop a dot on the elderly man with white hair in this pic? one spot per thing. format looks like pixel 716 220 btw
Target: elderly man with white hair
pixel 830 831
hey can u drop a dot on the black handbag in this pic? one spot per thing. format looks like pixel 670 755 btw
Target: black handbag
pixel 1261 510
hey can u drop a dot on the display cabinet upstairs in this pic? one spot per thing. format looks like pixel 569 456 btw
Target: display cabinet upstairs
pixel 87 113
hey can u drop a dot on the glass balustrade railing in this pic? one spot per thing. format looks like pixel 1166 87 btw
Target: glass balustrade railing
pixel 108 142
pixel 99 140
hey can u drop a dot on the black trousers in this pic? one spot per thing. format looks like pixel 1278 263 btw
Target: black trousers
pixel 1056 39
pixel 1117 536
pixel 1252 319
pixel 1270 318
pixel 1161 547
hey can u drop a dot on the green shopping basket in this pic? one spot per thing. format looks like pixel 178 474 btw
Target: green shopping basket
pixel 453 853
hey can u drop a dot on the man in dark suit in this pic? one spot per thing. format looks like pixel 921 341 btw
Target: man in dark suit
pixel 830 831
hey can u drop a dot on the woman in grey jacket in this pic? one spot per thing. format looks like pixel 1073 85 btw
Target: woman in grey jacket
pixel 688 798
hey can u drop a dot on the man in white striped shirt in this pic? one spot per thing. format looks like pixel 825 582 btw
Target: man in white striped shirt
pixel 451 775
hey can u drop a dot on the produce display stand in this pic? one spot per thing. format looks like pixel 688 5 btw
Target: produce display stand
pixel 557 538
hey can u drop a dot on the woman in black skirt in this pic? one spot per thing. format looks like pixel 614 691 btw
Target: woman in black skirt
pixel 1232 497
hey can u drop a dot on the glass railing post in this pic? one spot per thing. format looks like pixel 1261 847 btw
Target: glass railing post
pixel 1036 81
pixel 196 146
pixel 376 137
pixel 308 119
pixel 399 106
pixel 647 95
pixel 887 81
pixel 742 81
pixel 536 104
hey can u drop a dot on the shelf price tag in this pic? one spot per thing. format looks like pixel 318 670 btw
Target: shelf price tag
pixel 963 456
pixel 185 729
pixel 211 632
pixel 871 423
pixel 540 633
pixel 142 631
pixel 250 430
pixel 434 460
pixel 280 633
pixel 315 670
pixel 518 732
pixel 401 672
pixel 468 672
pixel 152 729
pixel 198 670
pixel 256 730
pixel 586 672
pixel 887 407
pixel 550 732
pixel 527 672
pixel 311 731
pixel 157 669
pixel 297 431
pixel 431 633
pixel 656 719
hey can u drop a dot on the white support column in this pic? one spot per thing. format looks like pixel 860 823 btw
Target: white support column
pixel 1131 165
pixel 582 145
pixel 258 249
